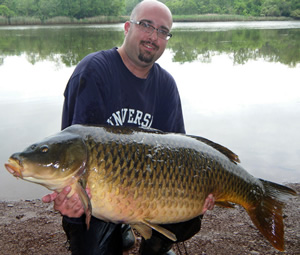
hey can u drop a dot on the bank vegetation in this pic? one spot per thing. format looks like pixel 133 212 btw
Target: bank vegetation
pixel 38 12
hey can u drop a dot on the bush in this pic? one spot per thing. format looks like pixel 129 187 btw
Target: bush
pixel 295 14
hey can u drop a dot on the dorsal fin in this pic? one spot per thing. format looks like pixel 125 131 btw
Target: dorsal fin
pixel 228 153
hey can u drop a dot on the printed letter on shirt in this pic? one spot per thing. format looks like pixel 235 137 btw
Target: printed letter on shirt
pixel 130 116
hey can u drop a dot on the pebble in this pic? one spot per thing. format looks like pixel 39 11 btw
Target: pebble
pixel 254 253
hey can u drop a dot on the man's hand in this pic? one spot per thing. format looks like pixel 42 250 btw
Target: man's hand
pixel 209 203
pixel 71 207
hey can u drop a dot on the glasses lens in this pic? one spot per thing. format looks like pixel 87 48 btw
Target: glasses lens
pixel 146 27
pixel 163 34
pixel 149 29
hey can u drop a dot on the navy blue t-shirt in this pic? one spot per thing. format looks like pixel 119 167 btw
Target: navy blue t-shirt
pixel 103 91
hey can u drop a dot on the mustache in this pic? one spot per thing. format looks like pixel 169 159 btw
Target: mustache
pixel 151 43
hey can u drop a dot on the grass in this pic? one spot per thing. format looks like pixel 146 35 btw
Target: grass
pixel 120 19
pixel 24 21
pixel 61 20
pixel 223 17
pixel 104 20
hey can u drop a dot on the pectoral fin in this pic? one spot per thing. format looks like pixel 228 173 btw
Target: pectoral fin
pixel 85 202
pixel 161 230
pixel 143 229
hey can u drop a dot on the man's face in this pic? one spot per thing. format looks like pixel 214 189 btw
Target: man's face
pixel 145 48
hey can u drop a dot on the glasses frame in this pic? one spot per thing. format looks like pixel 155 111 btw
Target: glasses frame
pixel 146 26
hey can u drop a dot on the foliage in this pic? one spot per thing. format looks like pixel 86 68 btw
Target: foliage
pixel 79 9
pixel 5 11
pixel 129 5
pixel 296 14
pixel 234 7
pixel 69 8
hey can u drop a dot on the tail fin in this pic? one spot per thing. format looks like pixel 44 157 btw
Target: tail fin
pixel 267 216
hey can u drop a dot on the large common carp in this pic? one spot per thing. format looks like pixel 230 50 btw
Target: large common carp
pixel 146 177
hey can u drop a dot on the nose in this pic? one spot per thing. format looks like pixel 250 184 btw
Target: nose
pixel 153 35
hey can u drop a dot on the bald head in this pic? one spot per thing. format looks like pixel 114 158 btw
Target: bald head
pixel 152 5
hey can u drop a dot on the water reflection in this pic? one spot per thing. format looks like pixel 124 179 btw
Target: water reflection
pixel 243 41
pixel 239 87
pixel 59 44
pixel 253 109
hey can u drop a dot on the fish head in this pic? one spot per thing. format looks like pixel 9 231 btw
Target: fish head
pixel 54 162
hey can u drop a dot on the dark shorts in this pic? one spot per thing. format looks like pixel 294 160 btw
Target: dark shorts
pixel 101 238
pixel 106 238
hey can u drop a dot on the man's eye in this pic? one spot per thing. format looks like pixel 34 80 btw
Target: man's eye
pixel 144 24
pixel 163 32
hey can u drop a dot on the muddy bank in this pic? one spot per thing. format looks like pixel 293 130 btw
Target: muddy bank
pixel 32 227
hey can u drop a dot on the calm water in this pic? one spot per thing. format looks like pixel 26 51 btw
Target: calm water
pixel 239 83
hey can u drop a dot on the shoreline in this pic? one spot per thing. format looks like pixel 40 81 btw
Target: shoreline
pixel 32 227
pixel 100 20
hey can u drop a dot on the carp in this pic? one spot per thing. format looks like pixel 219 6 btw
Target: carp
pixel 145 177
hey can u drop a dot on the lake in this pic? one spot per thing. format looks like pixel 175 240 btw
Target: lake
pixel 239 85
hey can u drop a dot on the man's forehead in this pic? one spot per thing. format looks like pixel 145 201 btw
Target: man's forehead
pixel 165 27
pixel 156 20
pixel 156 14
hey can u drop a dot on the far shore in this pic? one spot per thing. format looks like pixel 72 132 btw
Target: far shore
pixel 23 21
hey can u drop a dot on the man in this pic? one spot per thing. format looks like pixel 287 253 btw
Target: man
pixel 123 86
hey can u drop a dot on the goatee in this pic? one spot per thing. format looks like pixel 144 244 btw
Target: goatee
pixel 145 56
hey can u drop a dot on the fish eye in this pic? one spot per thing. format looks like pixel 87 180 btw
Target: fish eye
pixel 44 149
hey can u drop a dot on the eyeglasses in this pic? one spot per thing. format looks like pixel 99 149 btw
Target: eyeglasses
pixel 146 27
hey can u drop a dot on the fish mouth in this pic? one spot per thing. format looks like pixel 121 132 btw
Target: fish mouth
pixel 14 167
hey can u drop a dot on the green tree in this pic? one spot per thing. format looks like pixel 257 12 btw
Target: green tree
pixel 270 8
pixel 69 8
pixel 296 14
pixel 276 8
pixel 5 11
pixel 86 9
pixel 129 5
pixel 240 7
pixel 182 6
pixel 48 9
pixel 89 8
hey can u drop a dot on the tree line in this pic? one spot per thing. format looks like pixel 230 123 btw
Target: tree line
pixel 288 8
pixel 79 9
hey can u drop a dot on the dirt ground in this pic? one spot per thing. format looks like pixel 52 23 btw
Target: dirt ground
pixel 32 227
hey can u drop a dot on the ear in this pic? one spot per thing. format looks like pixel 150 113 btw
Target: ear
pixel 126 27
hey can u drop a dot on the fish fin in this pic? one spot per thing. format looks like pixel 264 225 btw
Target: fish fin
pixel 228 153
pixel 161 230
pixel 86 202
pixel 267 215
pixel 225 204
pixel 143 229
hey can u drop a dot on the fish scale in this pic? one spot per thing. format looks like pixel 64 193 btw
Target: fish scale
pixel 146 177
pixel 134 153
